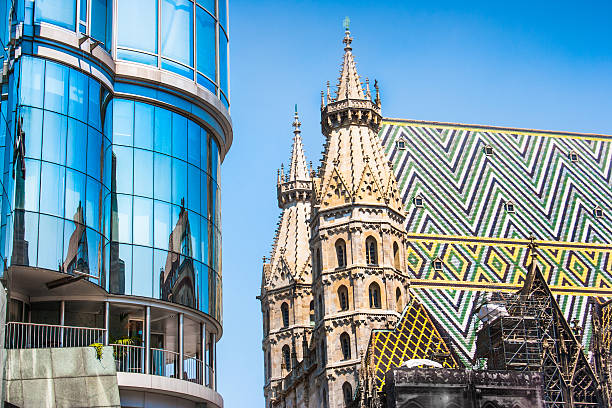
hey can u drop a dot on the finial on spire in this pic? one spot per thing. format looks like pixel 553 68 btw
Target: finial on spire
pixel 322 99
pixel 296 121
pixel 377 100
pixel 368 94
pixel 328 93
pixel 347 34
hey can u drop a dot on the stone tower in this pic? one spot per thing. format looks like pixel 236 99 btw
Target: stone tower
pixel 357 234
pixel 286 289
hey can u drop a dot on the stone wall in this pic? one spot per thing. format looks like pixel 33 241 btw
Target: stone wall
pixel 61 377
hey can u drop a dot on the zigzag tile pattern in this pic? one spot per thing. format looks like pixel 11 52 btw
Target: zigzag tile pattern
pixel 464 222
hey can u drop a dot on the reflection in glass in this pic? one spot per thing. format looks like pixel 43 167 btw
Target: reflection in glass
pixel 205 30
pixel 143 217
pixel 177 30
pixel 223 61
pixel 77 103
pixel 143 125
pixel 123 122
pixel 162 174
pixel 59 12
pixel 179 136
pixel 124 218
pixel 50 251
pixel 52 189
pixel 54 137
pixel 163 136
pixel 193 144
pixel 194 195
pixel 32 126
pixel 143 268
pixel 137 33
pixel 163 215
pixel 31 91
pixel 179 181
pixel 76 143
pixel 94 203
pixel 94 153
pixel 143 173
pixel 56 87
pixel 125 176
pixel 76 251
pixel 75 191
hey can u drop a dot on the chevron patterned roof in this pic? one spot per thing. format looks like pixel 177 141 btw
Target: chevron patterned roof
pixel 464 221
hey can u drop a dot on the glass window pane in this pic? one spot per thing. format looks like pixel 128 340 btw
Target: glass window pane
pixel 83 10
pixel 208 5
pixel 124 169
pixel 214 159
pixel 50 249
pixel 58 12
pixel 32 126
pixel 75 247
pixel 77 103
pixel 177 30
pixel 123 122
pixel 179 182
pixel 143 125
pixel 120 280
pixel 76 143
pixel 193 193
pixel 54 138
pixel 204 152
pixel 52 189
pixel 196 245
pixel 138 33
pixel 98 19
pixel 56 87
pixel 143 221
pixel 163 134
pixel 94 153
pixel 223 61
pixel 26 191
pixel 25 241
pixel 163 214
pixel 95 114
pixel 94 246
pixel 159 264
pixel 143 173
pixel 136 56
pixel 94 201
pixel 223 13
pixel 143 271
pixel 177 68
pixel 205 242
pixel 179 136
pixel 203 286
pixel 205 31
pixel 162 173
pixel 204 195
pixel 193 144
pixel 75 196
pixel 124 218
pixel 32 80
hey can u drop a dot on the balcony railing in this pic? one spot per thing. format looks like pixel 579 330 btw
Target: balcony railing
pixel 128 358
pixel 32 335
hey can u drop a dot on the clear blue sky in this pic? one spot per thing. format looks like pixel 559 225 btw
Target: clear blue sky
pixel 541 65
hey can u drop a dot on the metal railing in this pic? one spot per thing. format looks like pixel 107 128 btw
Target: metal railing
pixel 20 335
pixel 164 363
pixel 192 367
pixel 128 358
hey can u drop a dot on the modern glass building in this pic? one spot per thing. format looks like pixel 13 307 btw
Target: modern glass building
pixel 115 121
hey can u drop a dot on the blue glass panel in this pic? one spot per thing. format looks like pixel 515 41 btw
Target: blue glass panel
pixel 26 191
pixel 94 199
pixel 162 175
pixel 193 144
pixel 214 159
pixel 83 10
pixel 143 125
pixel 94 247
pixel 179 181
pixel 204 152
pixel 206 83
pixel 163 135
pixel 75 196
pixel 143 172
pixel 121 269
pixel 135 56
pixel 107 214
pixel 208 5
pixel 56 87
pixel 76 252
pixel 123 122
pixel 76 144
pixel 143 271
pixel 162 219
pixel 205 42
pixel 193 193
pixel 124 218
pixel 98 19
pixel 95 114
pixel 204 195
pixel 94 153
pixel 177 30
pixel 124 169
pixel 31 86
pixel 177 68
pixel 196 245
pixel 82 28
pixel 32 126
pixel 205 241
pixel 203 287
pixel 58 12
pixel 224 100
pixel 179 136
pixel 54 138
pixel 223 62
pixel 138 33
pixel 52 189
pixel 223 13
pixel 29 222
pixel 77 103
pixel 143 221
pixel 159 264
pixel 50 248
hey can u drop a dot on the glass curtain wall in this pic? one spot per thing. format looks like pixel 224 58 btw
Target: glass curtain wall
pixel 60 220
pixel 165 207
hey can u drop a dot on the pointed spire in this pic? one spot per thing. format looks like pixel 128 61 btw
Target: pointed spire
pixel 349 86
pixel 297 169
pixel 368 94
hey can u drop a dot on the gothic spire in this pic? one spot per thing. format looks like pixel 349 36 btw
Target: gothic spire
pixel 349 86
pixel 297 167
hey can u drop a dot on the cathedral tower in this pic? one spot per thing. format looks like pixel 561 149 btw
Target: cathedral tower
pixel 357 234
pixel 286 295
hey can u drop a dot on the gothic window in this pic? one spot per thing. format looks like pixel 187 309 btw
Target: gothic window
pixel 374 295
pixel 509 205
pixel 285 313
pixel 396 256
pixel 269 365
pixel 371 251
pixel 347 392
pixel 398 300
pixel 418 201
pixel 312 314
pixel 345 344
pixel 437 264
pixel 287 357
pixel 320 307
pixel 598 212
pixel 341 253
pixel 323 354
pixel 343 297
pixel 267 322
pixel 488 150
pixel 573 156
pixel 319 262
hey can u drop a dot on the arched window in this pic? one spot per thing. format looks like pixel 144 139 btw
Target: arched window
pixel 341 253
pixel 312 314
pixel 320 307
pixel 396 256
pixel 398 300
pixel 347 392
pixel 374 294
pixel 267 321
pixel 343 297
pixel 371 251
pixel 285 313
pixel 269 365
pixel 345 344
pixel 287 357
pixel 319 266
